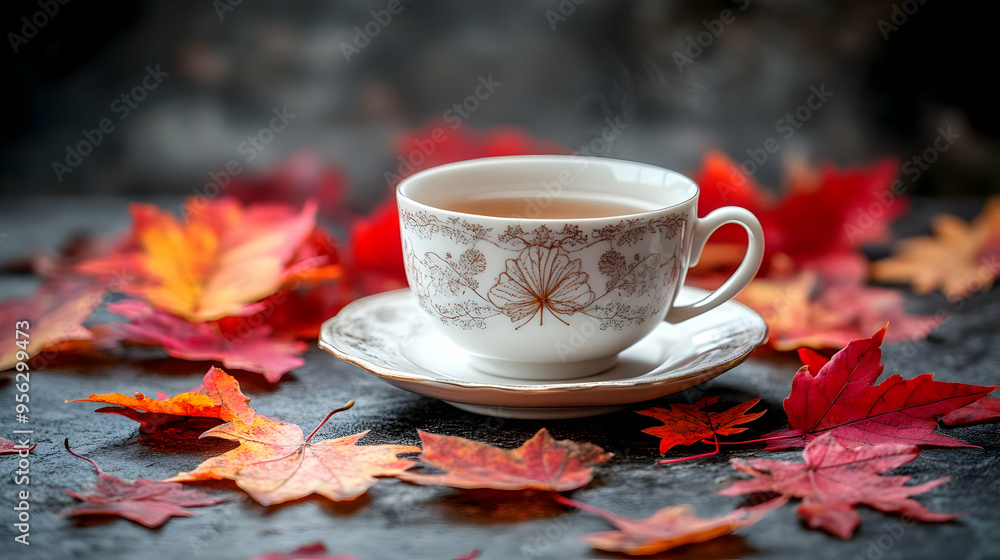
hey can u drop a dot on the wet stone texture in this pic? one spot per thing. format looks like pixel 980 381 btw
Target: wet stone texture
pixel 396 520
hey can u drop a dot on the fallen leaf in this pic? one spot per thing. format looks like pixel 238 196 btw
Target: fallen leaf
pixel 274 463
pixel 687 424
pixel 218 396
pixel 841 398
pixel 219 261
pixel 959 259
pixel 668 528
pixel 154 422
pixel 7 446
pixel 49 319
pixel 314 551
pixel 541 463
pixel 857 206
pixel 833 479
pixel 237 342
pixel 146 502
pixel 986 408
pixel 806 311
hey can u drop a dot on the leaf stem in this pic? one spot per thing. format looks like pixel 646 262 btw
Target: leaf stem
pixel 75 454
pixel 345 407
pixel 570 502
pixel 748 441
pixel 715 440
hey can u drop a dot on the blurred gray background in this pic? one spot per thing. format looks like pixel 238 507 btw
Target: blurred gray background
pixel 680 78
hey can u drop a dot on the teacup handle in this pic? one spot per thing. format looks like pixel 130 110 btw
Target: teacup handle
pixel 703 229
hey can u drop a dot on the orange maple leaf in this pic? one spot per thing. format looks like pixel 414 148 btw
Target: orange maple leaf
pixel 274 463
pixel 217 263
pixel 541 463
pixel 668 528
pixel 49 319
pixel 959 259
pixel 686 424
pixel 218 396
pixel 801 311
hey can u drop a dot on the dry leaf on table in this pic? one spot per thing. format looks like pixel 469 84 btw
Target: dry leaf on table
pixel 230 340
pixel 687 424
pixel 50 319
pixel 668 528
pixel 959 259
pixel 802 311
pixel 274 463
pixel 983 410
pixel 218 396
pixel 217 261
pixel 147 502
pixel 541 463
pixel 839 396
pixel 833 479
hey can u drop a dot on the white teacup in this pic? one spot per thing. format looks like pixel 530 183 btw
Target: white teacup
pixel 542 298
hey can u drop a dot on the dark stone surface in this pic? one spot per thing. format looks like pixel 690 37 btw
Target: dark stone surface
pixel 395 520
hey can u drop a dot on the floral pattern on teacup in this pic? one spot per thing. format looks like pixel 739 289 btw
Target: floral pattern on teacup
pixel 542 277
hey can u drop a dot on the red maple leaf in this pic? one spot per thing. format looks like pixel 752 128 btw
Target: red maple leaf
pixel 314 551
pixel 233 341
pixel 833 479
pixel 687 424
pixel 840 396
pixel 147 502
pixel 986 408
pixel 857 206
pixel 541 463
pixel 668 528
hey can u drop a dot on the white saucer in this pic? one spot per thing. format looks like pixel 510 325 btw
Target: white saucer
pixel 387 335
